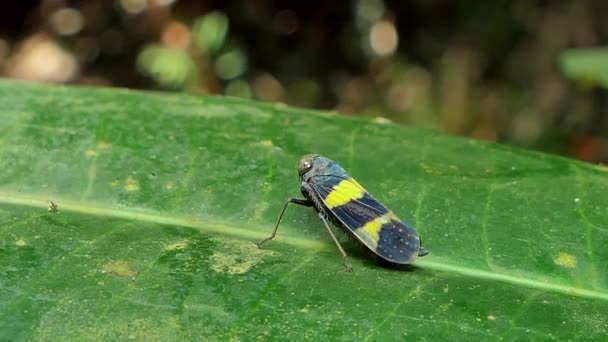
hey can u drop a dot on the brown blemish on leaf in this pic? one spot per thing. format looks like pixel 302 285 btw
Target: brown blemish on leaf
pixel 236 256
pixel 565 260
pixel 119 268
pixel 131 184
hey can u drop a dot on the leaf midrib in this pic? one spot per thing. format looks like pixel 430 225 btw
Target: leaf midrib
pixel 137 214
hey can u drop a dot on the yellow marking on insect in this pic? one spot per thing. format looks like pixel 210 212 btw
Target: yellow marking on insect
pixel 373 227
pixel 344 192
pixel 565 260
pixel 370 232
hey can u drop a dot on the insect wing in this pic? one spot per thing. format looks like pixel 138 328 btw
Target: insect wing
pixel 370 221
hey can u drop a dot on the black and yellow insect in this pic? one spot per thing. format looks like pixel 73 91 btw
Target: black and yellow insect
pixel 338 198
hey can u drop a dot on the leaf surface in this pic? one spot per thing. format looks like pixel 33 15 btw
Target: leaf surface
pixel 160 197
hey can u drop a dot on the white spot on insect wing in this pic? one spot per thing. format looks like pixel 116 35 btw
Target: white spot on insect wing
pixel 400 230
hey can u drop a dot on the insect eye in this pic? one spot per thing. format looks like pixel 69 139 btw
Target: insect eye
pixel 304 166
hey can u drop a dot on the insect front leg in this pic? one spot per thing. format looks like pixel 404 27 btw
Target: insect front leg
pixel 293 200
pixel 349 268
pixel 422 251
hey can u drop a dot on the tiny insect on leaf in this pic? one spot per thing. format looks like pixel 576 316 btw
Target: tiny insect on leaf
pixel 53 207
pixel 341 200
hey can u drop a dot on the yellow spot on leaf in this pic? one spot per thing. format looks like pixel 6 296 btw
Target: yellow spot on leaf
pixel 602 167
pixel 267 143
pixel 344 192
pixel 90 153
pixel 565 260
pixel 20 243
pixel 119 268
pixel 491 317
pixel 169 185
pixel 182 244
pixel 382 120
pixel 131 184
pixel 426 167
pixel 104 145
pixel 236 256
pixel 446 307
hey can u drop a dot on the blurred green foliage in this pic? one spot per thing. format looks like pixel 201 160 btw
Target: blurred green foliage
pixel 168 66
pixel 589 66
pixel 505 71
pixel 209 32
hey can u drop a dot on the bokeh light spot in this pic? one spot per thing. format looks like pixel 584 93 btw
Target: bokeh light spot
pixel 238 88
pixel 67 21
pixel 383 38
pixel 230 65
pixel 285 22
pixel 176 35
pixel 134 6
pixel 267 88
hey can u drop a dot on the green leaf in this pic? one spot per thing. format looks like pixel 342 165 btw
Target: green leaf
pixel 160 197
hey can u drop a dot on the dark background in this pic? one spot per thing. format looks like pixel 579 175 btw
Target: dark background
pixel 529 73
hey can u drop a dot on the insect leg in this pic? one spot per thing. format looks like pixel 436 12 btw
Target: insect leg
pixel 293 200
pixel 422 251
pixel 349 268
